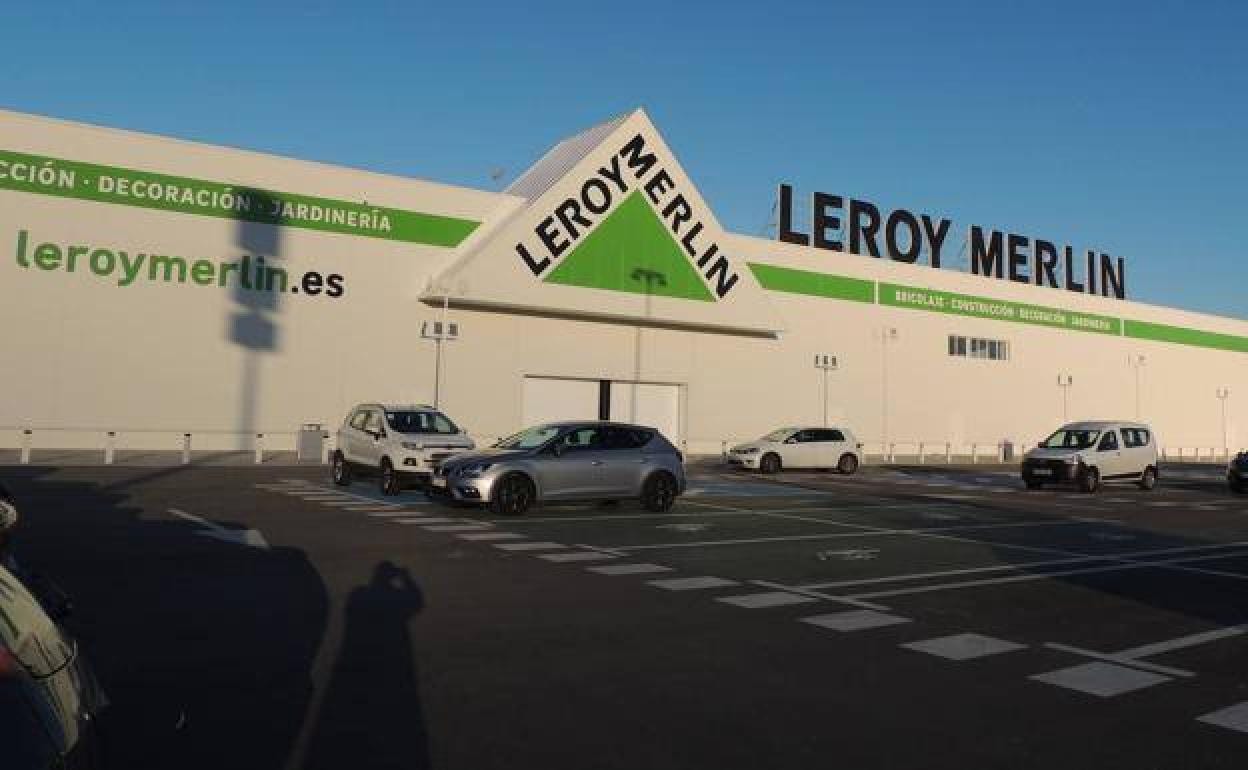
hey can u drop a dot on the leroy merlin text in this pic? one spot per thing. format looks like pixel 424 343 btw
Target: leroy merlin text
pixel 128 267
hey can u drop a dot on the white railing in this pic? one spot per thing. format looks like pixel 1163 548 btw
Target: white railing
pixel 28 440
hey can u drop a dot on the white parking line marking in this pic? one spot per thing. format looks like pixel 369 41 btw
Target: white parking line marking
pixel 865 531
pixel 1232 717
pixel 395 513
pixel 1121 660
pixel 630 569
pixel 854 620
pixel 768 599
pixel 692 583
pixel 578 556
pixel 964 646
pixel 1104 680
pixel 491 536
pixel 423 520
pixel 458 527
pixel 1158 648
pixel 543 546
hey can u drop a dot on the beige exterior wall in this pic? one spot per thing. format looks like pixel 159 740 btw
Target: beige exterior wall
pixel 153 360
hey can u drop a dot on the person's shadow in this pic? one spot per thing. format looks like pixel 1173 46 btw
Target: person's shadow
pixel 371 715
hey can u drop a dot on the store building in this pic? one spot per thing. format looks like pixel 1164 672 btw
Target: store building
pixel 155 287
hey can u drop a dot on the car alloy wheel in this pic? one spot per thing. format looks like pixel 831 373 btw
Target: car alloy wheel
pixel 659 493
pixel 770 463
pixel 848 464
pixel 1090 481
pixel 514 496
pixel 341 472
pixel 389 479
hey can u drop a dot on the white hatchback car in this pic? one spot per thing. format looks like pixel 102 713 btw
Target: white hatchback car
pixel 800 448
pixel 402 444
pixel 1090 453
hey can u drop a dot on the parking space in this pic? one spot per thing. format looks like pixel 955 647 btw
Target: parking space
pixel 1084 613
pixel 1103 596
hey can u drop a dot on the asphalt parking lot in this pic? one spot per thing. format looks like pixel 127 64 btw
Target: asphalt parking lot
pixel 902 617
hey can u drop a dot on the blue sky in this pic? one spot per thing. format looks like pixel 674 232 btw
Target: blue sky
pixel 1117 126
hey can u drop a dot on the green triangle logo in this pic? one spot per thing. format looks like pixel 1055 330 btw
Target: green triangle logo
pixel 632 251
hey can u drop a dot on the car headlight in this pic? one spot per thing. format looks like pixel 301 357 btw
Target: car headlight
pixel 412 445
pixel 474 470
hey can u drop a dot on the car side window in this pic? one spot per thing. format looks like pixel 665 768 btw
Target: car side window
pixel 1144 437
pixel 625 438
pixel 831 435
pixel 1132 438
pixel 582 439
pixel 805 436
pixel 1109 442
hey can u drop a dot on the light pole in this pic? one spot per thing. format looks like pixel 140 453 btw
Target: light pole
pixel 827 364
pixel 887 334
pixel 1137 362
pixel 1064 381
pixel 651 278
pixel 439 331
pixel 1223 394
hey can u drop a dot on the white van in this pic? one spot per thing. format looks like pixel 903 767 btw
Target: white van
pixel 1088 454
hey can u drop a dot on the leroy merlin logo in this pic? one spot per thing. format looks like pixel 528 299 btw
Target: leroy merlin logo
pixel 630 229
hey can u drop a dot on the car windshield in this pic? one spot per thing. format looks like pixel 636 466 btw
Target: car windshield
pixel 420 422
pixel 778 435
pixel 1071 439
pixel 529 439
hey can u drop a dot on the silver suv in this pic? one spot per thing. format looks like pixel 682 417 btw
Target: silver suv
pixel 567 461
pixel 400 443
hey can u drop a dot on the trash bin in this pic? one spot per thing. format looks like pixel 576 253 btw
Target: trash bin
pixel 1007 451
pixel 310 443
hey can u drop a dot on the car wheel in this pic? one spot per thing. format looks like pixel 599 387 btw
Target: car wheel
pixel 340 470
pixel 1032 484
pixel 514 496
pixel 848 464
pixel 770 463
pixel 390 482
pixel 1149 479
pixel 659 493
pixel 1090 480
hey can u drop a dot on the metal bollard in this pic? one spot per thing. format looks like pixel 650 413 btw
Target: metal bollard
pixel 1001 452
pixel 26 439
pixel 948 453
pixel 920 453
pixel 259 448
pixel 186 449
pixel 110 446
pixel 974 454
pixel 891 452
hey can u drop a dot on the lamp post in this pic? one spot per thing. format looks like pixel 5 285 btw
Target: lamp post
pixel 1223 394
pixel 826 364
pixel 651 279
pixel 887 334
pixel 1064 381
pixel 439 331
pixel 1136 362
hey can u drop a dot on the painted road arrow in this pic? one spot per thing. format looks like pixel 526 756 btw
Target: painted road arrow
pixel 249 537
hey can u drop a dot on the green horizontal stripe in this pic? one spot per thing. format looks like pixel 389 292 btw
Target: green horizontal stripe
pixel 815 284
pixel 953 303
pixel 1144 330
pixel 144 189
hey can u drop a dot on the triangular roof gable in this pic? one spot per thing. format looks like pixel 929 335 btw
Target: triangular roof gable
pixel 622 233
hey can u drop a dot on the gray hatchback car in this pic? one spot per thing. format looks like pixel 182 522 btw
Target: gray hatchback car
pixel 567 461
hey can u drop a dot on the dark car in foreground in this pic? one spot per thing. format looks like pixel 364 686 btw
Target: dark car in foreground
pixel 49 697
pixel 567 461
